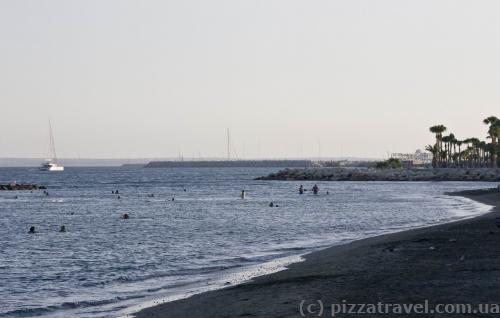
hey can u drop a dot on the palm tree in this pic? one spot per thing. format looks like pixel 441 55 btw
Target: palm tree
pixel 454 155
pixel 447 148
pixel 433 149
pixel 451 147
pixel 482 148
pixel 459 144
pixel 467 152
pixel 493 134
pixel 475 151
pixel 438 130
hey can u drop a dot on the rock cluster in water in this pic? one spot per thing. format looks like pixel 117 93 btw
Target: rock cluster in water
pixel 368 174
pixel 20 186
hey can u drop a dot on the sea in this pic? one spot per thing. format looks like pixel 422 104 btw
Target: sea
pixel 188 231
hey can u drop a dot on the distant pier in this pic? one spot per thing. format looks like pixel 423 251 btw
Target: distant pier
pixel 232 164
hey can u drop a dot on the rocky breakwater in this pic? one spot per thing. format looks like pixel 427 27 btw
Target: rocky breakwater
pixel 20 186
pixel 368 174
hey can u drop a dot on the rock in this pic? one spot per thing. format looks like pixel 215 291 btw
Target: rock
pixel 20 187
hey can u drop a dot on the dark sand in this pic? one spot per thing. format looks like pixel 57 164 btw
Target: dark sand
pixel 406 267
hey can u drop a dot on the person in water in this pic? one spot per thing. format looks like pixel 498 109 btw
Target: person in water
pixel 315 189
pixel 271 204
pixel 62 228
pixel 243 194
pixel 32 230
pixel 125 216
pixel 301 189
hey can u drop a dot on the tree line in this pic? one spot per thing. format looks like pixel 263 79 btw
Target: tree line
pixel 450 152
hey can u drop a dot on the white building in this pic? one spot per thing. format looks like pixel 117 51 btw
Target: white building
pixel 418 158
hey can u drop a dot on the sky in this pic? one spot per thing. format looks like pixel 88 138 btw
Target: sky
pixel 288 78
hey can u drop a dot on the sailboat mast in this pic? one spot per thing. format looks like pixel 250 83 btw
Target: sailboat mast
pixel 52 145
pixel 228 146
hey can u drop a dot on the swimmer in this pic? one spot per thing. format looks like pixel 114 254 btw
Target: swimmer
pixel 125 216
pixel 62 228
pixel 315 189
pixel 271 204
pixel 301 189
pixel 32 230
pixel 243 194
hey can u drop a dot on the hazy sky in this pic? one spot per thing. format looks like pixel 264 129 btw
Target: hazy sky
pixel 123 79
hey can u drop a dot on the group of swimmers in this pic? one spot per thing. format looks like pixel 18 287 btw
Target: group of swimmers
pixel 32 230
pixel 314 189
pixel 125 216
pixel 150 195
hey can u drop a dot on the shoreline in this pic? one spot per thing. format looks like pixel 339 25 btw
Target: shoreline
pixel 346 269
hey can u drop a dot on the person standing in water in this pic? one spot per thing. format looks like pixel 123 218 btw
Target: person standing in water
pixel 301 189
pixel 315 189
pixel 243 194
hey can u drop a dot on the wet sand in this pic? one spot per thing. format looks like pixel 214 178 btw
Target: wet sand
pixel 457 262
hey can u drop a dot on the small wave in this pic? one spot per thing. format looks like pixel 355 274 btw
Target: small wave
pixel 38 311
pixel 291 249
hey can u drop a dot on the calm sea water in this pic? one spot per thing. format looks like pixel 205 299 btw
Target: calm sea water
pixel 104 265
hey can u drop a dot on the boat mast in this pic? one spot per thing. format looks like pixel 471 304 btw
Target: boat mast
pixel 228 146
pixel 52 145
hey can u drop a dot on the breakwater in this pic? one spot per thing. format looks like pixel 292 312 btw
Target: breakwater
pixel 367 174
pixel 231 164
pixel 20 186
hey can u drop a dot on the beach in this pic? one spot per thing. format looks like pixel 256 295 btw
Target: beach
pixel 453 263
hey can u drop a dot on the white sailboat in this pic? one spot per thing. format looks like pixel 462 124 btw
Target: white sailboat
pixel 51 164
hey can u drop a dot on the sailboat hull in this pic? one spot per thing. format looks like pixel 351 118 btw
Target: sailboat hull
pixel 51 167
